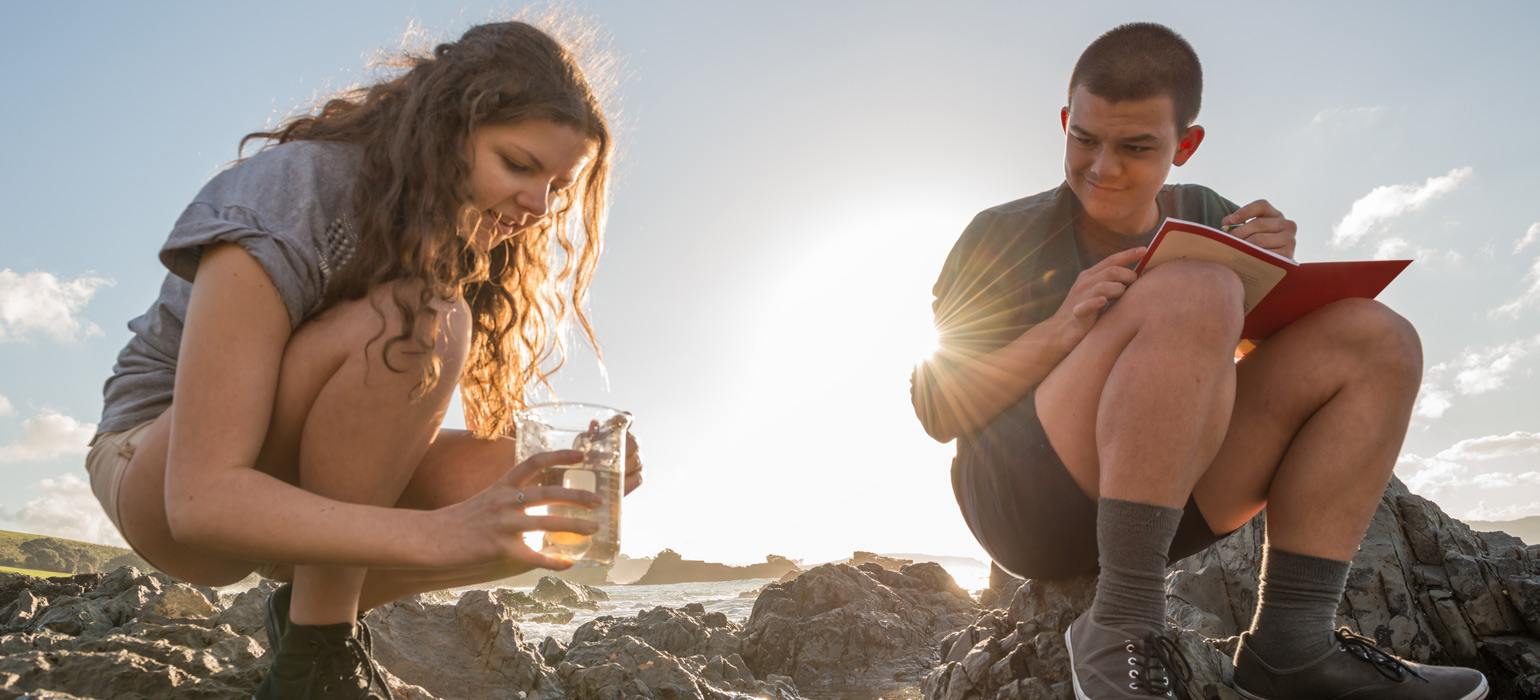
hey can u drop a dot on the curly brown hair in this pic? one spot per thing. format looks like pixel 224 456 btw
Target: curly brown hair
pixel 414 218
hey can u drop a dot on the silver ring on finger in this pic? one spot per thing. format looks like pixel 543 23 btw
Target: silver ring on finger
pixel 519 498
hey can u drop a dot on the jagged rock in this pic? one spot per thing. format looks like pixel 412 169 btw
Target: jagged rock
pixel 663 653
pixel 783 579
pixel 41 694
pixel 567 594
pixel 21 611
pixel 12 584
pixel 888 563
pixel 135 636
pixel 471 649
pixel 74 617
pixel 524 603
pixel 842 626
pixel 1423 585
pixel 243 612
pixel 688 631
pixel 669 567
pixel 552 650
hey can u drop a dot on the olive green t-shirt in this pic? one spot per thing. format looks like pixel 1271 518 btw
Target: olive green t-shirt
pixel 1015 263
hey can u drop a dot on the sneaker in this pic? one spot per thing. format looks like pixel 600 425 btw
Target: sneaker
pixel 1107 663
pixel 275 619
pixel 322 661
pixel 1354 670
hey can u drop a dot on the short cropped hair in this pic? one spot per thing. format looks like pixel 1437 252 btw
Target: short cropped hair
pixel 1141 61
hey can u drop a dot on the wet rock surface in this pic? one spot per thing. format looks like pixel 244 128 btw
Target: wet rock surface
pixel 1423 585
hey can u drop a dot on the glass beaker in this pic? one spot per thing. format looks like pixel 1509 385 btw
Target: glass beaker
pixel 599 432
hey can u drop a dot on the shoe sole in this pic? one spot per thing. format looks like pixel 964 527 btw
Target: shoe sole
pixel 1074 679
pixel 1477 694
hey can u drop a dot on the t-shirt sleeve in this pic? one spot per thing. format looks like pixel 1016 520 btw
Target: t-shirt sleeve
pixel 274 206
pixel 979 306
pixel 1202 205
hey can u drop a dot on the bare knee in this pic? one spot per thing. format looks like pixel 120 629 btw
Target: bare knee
pixel 418 339
pixel 1381 339
pixel 1194 299
pixel 404 343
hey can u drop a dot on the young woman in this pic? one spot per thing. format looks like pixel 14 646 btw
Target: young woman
pixel 278 407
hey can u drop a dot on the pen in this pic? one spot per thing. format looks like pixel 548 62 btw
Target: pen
pixel 1231 227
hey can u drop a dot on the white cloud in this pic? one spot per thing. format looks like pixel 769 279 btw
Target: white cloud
pixel 1395 248
pixel 1432 401
pixel 1475 371
pixel 1471 373
pixel 1482 511
pixel 1529 237
pixel 1481 371
pixel 67 509
pixel 6 409
pixel 48 435
pixel 1505 480
pixel 1350 115
pixel 1389 202
pixel 1493 446
pixel 1530 297
pixel 1430 476
pixel 37 302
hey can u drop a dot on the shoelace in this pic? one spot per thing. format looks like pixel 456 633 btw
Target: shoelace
pixel 1160 659
pixel 1362 647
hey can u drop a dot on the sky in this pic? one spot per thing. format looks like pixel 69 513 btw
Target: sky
pixel 791 177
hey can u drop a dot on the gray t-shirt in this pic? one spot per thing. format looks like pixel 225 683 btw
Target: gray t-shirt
pixel 1015 263
pixel 290 207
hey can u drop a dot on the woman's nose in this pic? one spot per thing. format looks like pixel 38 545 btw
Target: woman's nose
pixel 536 200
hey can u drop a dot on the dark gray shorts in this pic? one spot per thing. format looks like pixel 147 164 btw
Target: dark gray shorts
pixel 1027 511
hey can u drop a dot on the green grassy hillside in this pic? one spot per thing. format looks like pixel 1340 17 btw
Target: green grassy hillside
pixel 32 572
pixel 20 550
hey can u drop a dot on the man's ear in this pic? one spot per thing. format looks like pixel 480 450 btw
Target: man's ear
pixel 1064 119
pixel 1188 145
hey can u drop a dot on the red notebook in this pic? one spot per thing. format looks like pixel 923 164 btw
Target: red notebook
pixel 1278 290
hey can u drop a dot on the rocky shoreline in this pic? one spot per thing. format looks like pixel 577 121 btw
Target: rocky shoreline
pixel 1423 585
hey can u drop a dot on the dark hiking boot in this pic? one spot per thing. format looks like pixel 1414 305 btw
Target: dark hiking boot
pixel 275 619
pixel 1110 664
pixel 316 662
pixel 1354 669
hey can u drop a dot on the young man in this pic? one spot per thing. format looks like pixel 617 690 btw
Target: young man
pixel 1122 436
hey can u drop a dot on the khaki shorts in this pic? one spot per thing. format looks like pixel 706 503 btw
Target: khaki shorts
pixel 108 461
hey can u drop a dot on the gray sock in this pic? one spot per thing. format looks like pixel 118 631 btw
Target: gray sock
pixel 1297 607
pixel 1133 540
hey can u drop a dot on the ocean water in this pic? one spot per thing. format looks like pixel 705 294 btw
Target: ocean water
pixel 627 601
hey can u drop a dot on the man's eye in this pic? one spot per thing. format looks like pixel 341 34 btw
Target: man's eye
pixel 1083 140
pixel 1137 149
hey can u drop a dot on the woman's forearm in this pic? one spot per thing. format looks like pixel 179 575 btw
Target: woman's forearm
pixel 247 514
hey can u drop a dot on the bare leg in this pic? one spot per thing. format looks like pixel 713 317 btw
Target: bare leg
pixel 1320 414
pixel 1318 417
pixel 1138 409
pixel 342 426
pixel 353 433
